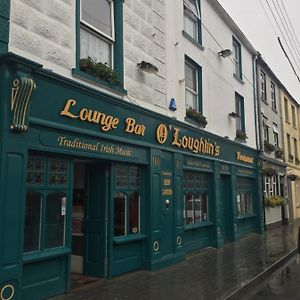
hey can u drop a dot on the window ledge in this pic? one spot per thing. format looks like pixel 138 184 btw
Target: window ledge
pixel 193 41
pixel 199 225
pixel 193 122
pixel 238 79
pixel 102 83
pixel 250 216
pixel 131 238
pixel 45 254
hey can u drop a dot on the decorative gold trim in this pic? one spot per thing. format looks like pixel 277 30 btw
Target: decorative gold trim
pixel 20 97
pixel 8 286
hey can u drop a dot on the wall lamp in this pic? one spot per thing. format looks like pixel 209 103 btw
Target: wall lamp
pixel 225 53
pixel 147 67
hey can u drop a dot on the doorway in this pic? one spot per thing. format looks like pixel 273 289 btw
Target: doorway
pixel 88 220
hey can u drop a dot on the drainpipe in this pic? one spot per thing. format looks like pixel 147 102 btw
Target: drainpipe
pixel 257 115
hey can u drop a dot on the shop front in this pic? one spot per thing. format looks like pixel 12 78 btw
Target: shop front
pixel 94 185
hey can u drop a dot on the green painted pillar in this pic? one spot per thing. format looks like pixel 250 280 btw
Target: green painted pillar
pixel 15 90
pixel 236 235
pixel 259 204
pixel 216 192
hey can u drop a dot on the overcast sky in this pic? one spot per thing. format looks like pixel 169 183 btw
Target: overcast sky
pixel 251 19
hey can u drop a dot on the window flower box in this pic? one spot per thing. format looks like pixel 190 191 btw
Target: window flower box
pixel 273 201
pixel 98 70
pixel 291 157
pixel 196 117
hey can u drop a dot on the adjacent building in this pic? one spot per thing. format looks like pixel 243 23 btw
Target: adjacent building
pixel 270 135
pixel 290 108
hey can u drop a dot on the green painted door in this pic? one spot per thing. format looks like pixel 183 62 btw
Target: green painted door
pixel 226 208
pixel 167 205
pixel 94 223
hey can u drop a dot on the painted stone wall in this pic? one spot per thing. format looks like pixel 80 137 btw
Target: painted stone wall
pixel 44 31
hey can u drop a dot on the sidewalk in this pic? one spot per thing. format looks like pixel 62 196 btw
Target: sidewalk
pixel 209 274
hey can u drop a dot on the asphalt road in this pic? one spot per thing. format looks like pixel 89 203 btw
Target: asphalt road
pixel 283 284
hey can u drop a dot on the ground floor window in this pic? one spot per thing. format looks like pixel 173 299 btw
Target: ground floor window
pixel 271 186
pixel 244 198
pixel 127 200
pixel 46 203
pixel 195 197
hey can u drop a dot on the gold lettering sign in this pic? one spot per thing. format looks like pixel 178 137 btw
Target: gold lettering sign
pixel 162 133
pixel 167 192
pixel 77 143
pixel 244 158
pixel 105 122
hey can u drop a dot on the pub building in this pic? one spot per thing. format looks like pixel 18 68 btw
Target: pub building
pixel 95 185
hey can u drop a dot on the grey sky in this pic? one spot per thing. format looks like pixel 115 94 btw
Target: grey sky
pixel 250 17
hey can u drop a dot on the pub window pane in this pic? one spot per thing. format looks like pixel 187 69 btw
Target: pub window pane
pixel 238 204
pixel 135 177
pixel 205 206
pixel 197 208
pixel 55 220
pixel 120 214
pixel 134 213
pixel 121 176
pixel 189 208
pixel 32 230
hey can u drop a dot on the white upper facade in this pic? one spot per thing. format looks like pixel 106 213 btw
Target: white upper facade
pixel 46 31
pixel 219 85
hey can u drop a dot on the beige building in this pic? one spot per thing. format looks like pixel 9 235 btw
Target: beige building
pixel 290 116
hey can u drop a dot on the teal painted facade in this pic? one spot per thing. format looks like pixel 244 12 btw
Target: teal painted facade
pixel 50 118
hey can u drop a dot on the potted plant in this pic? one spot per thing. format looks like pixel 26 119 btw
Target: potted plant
pixel 273 201
pixel 292 177
pixel 98 70
pixel 273 209
pixel 241 135
pixel 269 171
pixel 196 117
pixel 268 147
pixel 278 153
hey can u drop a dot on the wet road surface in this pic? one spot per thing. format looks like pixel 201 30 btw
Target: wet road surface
pixel 284 284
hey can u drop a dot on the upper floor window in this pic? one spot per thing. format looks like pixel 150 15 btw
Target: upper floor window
pixel 99 50
pixel 237 59
pixel 192 19
pixel 263 96
pixel 266 130
pixel 275 135
pixel 296 149
pixel 192 86
pixel 293 116
pixel 273 96
pixel 97 30
pixel 286 110
pixel 239 109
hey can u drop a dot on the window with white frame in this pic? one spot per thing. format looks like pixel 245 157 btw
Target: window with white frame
pixel 273 95
pixel 192 19
pixel 97 30
pixel 275 135
pixel 191 86
pixel 237 59
pixel 263 96
pixel 271 186
pixel 266 130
